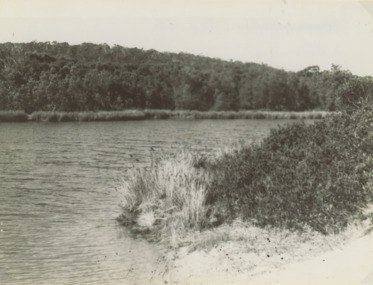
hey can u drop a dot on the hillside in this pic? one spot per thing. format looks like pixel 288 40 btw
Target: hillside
pixel 57 76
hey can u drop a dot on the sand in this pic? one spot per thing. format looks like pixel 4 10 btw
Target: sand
pixel 345 266
pixel 347 260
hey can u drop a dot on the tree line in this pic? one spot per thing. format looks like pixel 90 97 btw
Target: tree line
pixel 57 76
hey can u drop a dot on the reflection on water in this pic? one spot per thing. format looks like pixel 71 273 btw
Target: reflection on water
pixel 57 200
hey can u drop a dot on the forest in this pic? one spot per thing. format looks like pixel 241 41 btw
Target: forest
pixel 45 76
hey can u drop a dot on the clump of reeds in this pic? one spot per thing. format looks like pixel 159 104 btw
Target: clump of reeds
pixel 13 116
pixel 167 198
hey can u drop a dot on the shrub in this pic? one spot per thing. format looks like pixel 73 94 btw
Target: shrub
pixel 315 175
pixel 355 94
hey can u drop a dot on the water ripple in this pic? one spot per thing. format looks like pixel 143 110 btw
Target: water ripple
pixel 57 201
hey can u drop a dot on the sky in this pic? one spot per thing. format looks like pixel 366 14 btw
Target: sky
pixel 281 33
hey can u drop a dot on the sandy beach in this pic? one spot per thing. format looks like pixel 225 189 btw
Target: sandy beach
pixel 341 259
pixel 348 265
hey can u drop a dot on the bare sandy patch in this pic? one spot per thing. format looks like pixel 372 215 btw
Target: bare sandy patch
pixel 244 254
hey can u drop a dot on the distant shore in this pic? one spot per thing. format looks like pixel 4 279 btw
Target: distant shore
pixel 153 114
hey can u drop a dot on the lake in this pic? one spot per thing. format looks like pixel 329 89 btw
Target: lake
pixel 58 202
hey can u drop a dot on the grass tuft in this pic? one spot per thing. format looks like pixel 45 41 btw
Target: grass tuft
pixel 168 197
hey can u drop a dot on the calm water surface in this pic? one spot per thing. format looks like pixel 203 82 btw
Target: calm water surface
pixel 58 204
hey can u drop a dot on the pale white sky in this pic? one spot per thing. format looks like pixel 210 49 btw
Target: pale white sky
pixel 281 33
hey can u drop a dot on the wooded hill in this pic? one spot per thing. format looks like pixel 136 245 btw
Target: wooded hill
pixel 58 76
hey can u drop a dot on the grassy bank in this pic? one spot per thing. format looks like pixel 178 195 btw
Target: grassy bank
pixel 317 176
pixel 13 116
pixel 129 115
pixel 243 114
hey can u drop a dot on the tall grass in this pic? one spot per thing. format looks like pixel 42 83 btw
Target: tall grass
pixel 13 116
pixel 169 196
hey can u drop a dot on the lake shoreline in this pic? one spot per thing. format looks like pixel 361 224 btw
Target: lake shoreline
pixel 242 252
pixel 153 114
pixel 261 206
pixel 57 189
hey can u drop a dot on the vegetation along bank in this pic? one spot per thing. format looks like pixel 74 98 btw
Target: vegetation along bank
pixel 153 114
pixel 55 76
pixel 317 177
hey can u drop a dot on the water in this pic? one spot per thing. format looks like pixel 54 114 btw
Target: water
pixel 58 204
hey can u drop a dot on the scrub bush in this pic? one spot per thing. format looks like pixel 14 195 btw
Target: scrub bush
pixel 300 174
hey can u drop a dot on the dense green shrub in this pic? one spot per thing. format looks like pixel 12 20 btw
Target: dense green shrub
pixel 301 174
pixel 356 93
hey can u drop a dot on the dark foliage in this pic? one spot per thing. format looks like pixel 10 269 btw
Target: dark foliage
pixel 355 94
pixel 60 77
pixel 318 175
